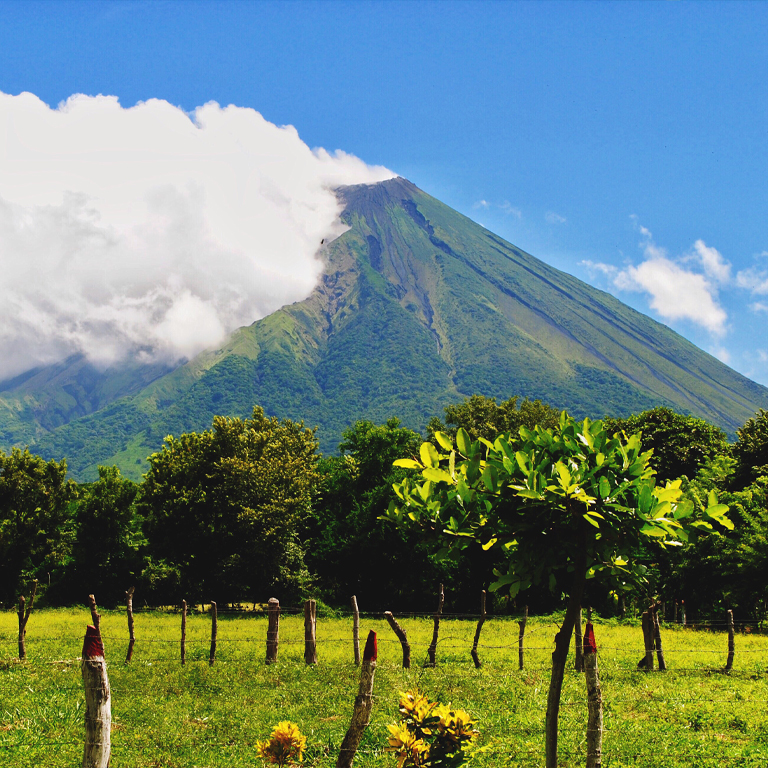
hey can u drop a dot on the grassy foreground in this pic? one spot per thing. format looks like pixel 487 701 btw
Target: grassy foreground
pixel 200 717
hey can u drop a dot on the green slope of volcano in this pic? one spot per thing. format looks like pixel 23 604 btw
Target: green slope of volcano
pixel 417 307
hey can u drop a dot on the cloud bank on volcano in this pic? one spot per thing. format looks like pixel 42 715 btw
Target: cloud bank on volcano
pixel 152 233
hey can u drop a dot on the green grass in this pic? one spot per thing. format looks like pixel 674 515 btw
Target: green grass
pixel 180 717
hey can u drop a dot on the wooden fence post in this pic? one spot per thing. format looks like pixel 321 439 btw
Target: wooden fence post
pixel 520 637
pixel 24 618
pixel 214 633
pixel 273 629
pixel 183 632
pixel 129 612
pixel 657 637
pixel 436 628
pixel 594 701
pixel 356 630
pixel 480 623
pixel 731 642
pixel 579 656
pixel 646 662
pixel 675 613
pixel 96 618
pixel 402 637
pixel 310 632
pixel 98 709
pixel 361 714
pixel 682 610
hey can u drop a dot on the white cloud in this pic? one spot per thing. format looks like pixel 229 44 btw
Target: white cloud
pixel 481 204
pixel 753 279
pixel 722 354
pixel 150 232
pixel 758 306
pixel 510 210
pixel 554 218
pixel 675 291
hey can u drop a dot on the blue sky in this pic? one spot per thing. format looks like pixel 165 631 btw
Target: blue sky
pixel 622 142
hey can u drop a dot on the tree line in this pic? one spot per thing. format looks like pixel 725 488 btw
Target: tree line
pixel 249 509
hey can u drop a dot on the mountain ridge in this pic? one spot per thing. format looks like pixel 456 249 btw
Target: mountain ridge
pixel 417 307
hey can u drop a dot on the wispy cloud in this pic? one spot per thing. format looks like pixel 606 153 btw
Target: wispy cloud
pixel 753 280
pixel 481 204
pixel 758 306
pixel 510 210
pixel 554 218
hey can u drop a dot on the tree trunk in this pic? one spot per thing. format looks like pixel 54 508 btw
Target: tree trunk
pixel 361 714
pixel 559 659
pixel 98 708
pixel 649 642
pixel 594 701
pixel 356 630
pixel 480 623
pixel 436 629
pixel 402 637
pixel 579 658
pixel 24 618
pixel 657 638
pixel 129 612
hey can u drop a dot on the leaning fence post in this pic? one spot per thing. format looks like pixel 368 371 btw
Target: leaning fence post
pixel 129 612
pixel 520 637
pixel 480 623
pixel 24 618
pixel 356 630
pixel 98 709
pixel 657 637
pixel 432 651
pixel 214 633
pixel 731 642
pixel 361 714
pixel 402 637
pixel 96 618
pixel 594 700
pixel 273 629
pixel 310 632
pixel 579 660
pixel 646 662
pixel 183 632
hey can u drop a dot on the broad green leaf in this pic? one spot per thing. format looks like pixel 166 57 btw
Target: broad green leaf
pixel 653 530
pixel 463 442
pixel 444 440
pixel 591 521
pixel 429 455
pixel 437 475
pixel 407 463
pixel 489 544
pixel 604 488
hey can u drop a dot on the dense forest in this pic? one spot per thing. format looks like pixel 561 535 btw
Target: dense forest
pixel 250 508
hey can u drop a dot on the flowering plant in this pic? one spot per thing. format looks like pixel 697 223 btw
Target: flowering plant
pixel 285 747
pixel 430 734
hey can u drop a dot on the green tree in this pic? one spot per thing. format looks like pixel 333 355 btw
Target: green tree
pixel 482 416
pixel 107 555
pixel 751 449
pixel 563 504
pixel 36 527
pixel 680 444
pixel 223 508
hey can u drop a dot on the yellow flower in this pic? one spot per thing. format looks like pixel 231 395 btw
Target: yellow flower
pixel 456 724
pixel 415 705
pixel 409 749
pixel 286 745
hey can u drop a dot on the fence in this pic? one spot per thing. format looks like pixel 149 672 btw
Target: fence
pixel 651 718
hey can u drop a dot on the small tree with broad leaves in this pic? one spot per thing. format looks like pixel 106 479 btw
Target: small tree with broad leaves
pixel 564 504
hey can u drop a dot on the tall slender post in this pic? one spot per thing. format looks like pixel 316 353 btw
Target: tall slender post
pixel 675 614
pixel 24 613
pixel 310 632
pixel 95 618
pixel 361 714
pixel 657 637
pixel 273 629
pixel 520 637
pixel 480 623
pixel 129 612
pixel 98 708
pixel 436 628
pixel 183 632
pixel 682 610
pixel 731 642
pixel 594 701
pixel 646 662
pixel 579 657
pixel 214 633
pixel 402 637
pixel 356 630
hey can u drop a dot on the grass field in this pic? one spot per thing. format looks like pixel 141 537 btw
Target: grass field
pixel 201 716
